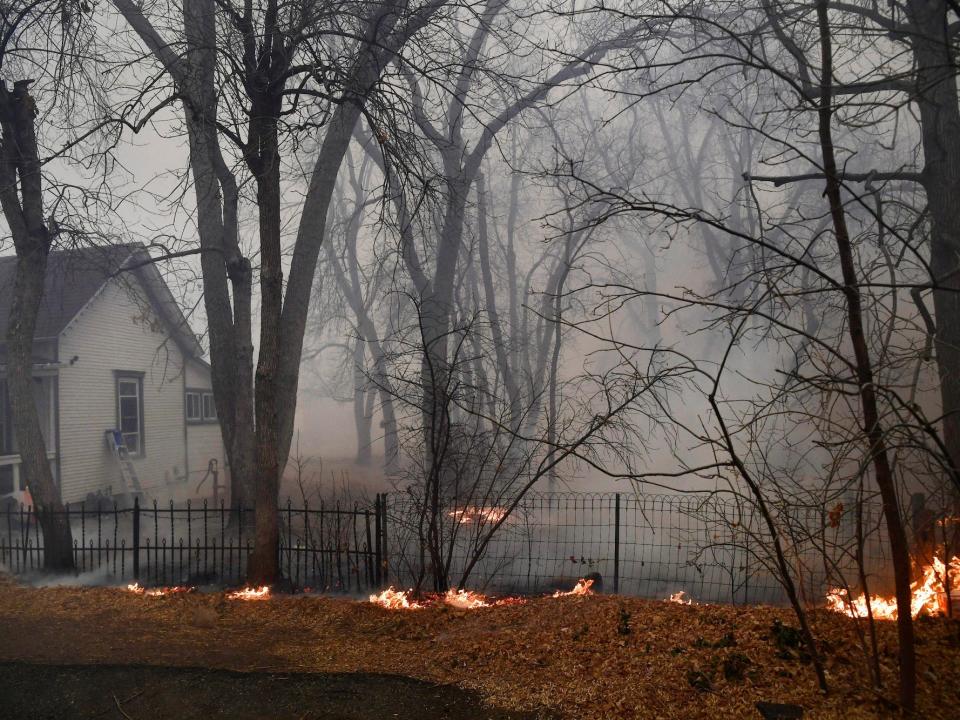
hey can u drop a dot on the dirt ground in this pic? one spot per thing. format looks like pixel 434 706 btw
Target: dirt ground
pixel 596 657
pixel 143 691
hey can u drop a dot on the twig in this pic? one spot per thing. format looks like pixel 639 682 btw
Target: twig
pixel 120 708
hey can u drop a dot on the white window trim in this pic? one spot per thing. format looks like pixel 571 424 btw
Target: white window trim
pixel 137 378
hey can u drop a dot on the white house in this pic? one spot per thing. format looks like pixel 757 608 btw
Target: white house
pixel 115 358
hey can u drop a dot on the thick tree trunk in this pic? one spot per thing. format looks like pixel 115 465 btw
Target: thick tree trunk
pixel 27 294
pixel 264 560
pixel 937 101
pixel 32 240
pixel 899 549
pixel 225 270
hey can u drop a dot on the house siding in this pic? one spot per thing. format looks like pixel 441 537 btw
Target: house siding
pixel 117 331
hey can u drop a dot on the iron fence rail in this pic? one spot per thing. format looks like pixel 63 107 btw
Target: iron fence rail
pixel 640 545
pixel 325 547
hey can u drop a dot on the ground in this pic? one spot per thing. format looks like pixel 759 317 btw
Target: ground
pixel 144 691
pixel 574 657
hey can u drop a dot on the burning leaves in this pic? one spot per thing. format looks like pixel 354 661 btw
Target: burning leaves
pixel 260 593
pixel 928 595
pixel 535 657
pixel 393 599
pixel 138 589
pixel 465 599
pixel 249 593
pixel 680 597
pixel 581 588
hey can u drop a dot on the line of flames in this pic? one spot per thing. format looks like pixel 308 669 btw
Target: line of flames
pixel 138 589
pixel 393 599
pixel 249 593
pixel 928 595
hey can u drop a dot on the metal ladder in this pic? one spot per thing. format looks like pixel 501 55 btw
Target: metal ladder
pixel 122 455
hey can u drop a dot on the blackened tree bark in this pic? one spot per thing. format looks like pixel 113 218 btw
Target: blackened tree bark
pixel 21 197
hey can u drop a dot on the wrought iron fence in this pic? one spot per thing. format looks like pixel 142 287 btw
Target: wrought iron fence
pixel 640 545
pixel 646 545
pixel 327 547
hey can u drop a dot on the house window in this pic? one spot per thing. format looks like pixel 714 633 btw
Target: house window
pixel 200 406
pixel 194 403
pixel 209 408
pixel 130 411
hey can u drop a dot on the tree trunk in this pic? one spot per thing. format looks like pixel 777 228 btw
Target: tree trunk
pixel 362 418
pixel 32 240
pixel 264 560
pixel 937 101
pixel 899 548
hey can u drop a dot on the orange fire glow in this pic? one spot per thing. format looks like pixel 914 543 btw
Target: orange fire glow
pixel 472 514
pixel 581 588
pixel 395 600
pixel 138 589
pixel 465 599
pixel 928 595
pixel 680 597
pixel 249 593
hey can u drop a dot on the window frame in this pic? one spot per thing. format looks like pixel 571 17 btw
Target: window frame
pixel 212 417
pixel 198 394
pixel 121 376
pixel 203 395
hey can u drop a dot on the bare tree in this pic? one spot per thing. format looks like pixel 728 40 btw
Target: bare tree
pixel 239 73
pixel 39 42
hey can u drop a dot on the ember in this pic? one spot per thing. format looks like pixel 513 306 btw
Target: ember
pixel 395 600
pixel 581 588
pixel 260 593
pixel 928 595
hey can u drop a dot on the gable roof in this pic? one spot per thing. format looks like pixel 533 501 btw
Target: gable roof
pixel 75 277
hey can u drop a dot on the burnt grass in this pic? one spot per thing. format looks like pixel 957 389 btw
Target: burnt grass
pixel 138 692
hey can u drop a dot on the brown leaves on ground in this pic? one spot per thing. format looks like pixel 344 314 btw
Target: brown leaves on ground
pixel 597 657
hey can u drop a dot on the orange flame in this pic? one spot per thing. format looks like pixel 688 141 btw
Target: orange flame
pixel 395 600
pixel 680 597
pixel 465 599
pixel 581 588
pixel 472 514
pixel 928 595
pixel 249 593
pixel 138 589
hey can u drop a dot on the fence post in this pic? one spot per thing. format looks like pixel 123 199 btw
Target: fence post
pixel 616 544
pixel 136 538
pixel 378 544
pixel 384 547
